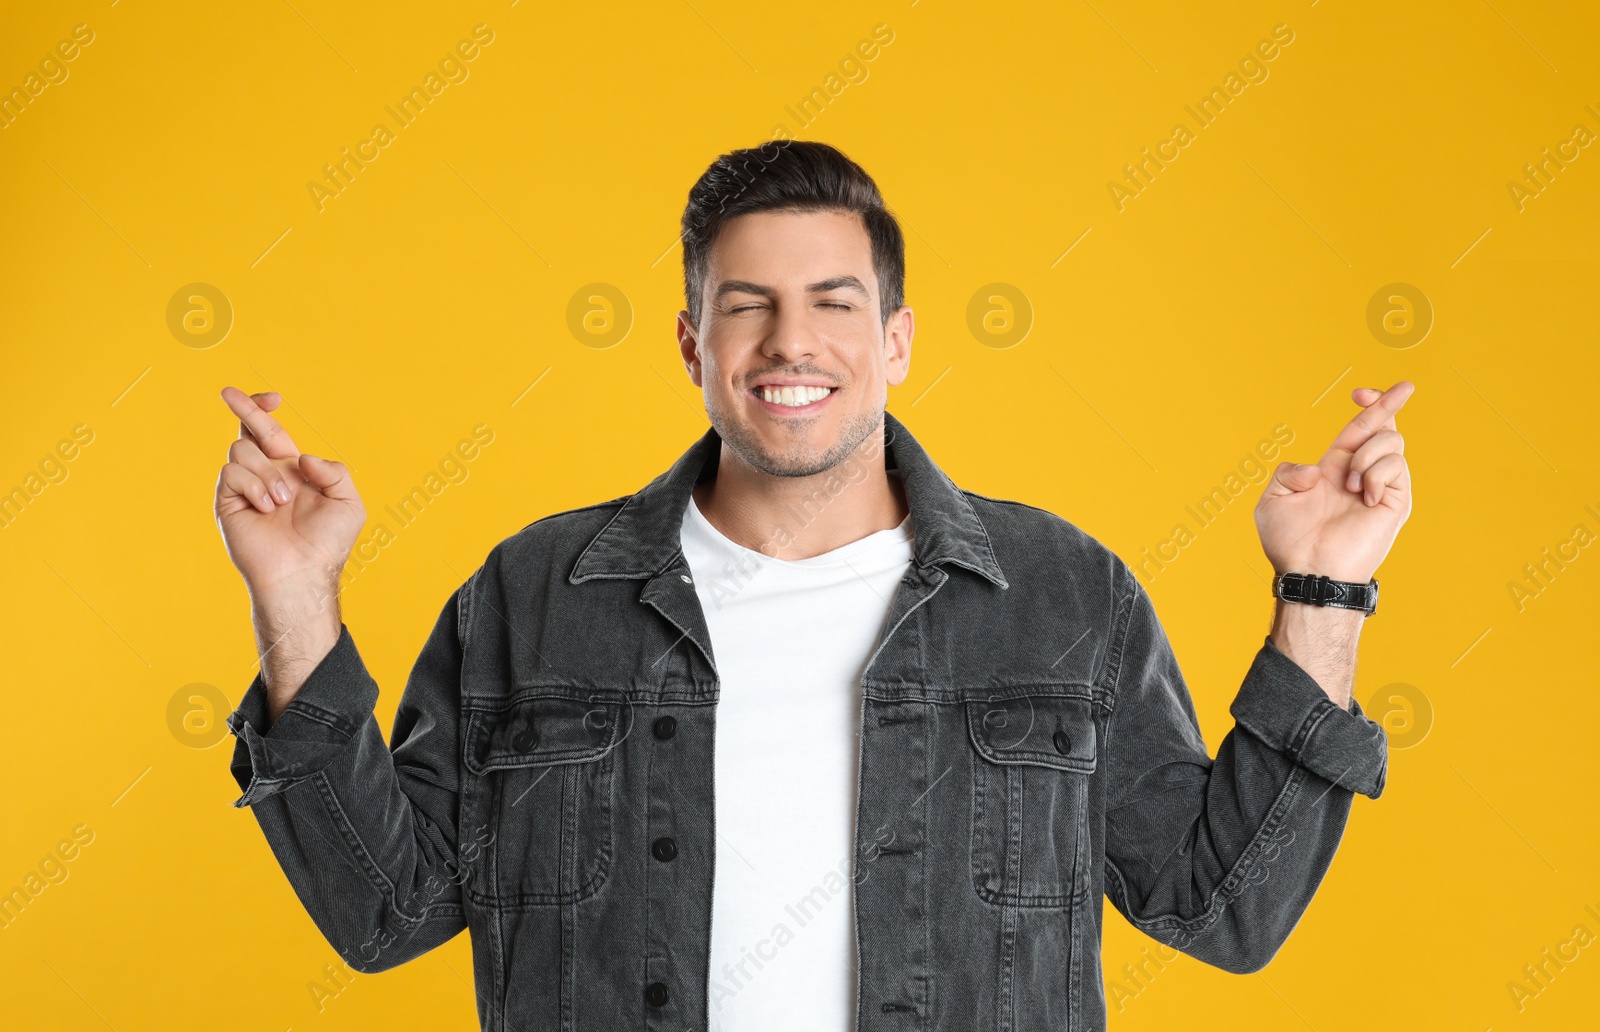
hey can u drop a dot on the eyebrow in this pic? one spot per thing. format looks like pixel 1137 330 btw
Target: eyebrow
pixel 821 287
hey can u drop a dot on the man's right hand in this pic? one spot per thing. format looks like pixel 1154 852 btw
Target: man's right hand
pixel 288 521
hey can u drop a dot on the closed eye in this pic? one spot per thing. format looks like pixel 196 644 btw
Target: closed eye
pixel 823 304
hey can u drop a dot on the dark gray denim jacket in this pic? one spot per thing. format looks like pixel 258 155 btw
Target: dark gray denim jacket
pixel 1028 744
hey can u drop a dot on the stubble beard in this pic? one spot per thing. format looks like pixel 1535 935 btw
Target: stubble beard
pixel 797 462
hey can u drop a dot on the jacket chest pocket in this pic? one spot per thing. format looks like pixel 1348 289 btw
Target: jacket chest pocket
pixel 1033 757
pixel 540 775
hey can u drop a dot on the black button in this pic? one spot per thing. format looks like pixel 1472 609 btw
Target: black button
pixel 666 727
pixel 663 849
pixel 525 740
pixel 655 994
pixel 1063 743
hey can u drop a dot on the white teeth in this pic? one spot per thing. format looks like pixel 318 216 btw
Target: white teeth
pixel 794 397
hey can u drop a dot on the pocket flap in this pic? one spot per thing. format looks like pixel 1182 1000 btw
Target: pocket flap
pixel 543 730
pixel 1043 730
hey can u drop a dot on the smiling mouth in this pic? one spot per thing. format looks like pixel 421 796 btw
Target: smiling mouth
pixel 792 398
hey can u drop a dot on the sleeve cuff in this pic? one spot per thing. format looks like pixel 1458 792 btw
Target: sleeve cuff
pixel 1287 709
pixel 312 730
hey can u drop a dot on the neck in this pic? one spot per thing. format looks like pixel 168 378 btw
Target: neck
pixel 795 518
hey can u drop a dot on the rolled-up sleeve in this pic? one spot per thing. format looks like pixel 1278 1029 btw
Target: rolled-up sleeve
pixel 310 733
pixel 1219 857
pixel 366 831
pixel 1287 709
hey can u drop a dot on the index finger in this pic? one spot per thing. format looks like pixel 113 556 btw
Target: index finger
pixel 268 400
pixel 1377 416
pixel 273 440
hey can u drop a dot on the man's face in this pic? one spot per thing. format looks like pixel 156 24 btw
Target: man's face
pixel 791 355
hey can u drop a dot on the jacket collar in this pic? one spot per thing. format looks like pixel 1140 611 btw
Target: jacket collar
pixel 643 538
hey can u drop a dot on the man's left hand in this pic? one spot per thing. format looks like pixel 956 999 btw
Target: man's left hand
pixel 1339 517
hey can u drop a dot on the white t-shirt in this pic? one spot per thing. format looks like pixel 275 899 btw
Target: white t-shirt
pixel 791 641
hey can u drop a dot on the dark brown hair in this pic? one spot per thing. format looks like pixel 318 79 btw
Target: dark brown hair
pixel 789 175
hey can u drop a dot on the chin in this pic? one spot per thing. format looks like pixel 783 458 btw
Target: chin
pixel 796 451
pixel 783 454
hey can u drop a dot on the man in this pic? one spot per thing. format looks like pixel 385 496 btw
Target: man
pixel 801 735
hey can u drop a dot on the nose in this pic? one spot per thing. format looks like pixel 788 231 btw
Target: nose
pixel 793 338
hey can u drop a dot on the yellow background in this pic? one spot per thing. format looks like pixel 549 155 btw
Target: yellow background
pixel 1227 298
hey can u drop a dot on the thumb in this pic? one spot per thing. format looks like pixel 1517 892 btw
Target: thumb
pixel 329 477
pixel 1298 476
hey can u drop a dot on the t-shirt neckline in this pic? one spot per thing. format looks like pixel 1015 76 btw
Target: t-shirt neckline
pixel 896 535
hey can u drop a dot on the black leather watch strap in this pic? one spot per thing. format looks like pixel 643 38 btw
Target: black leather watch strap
pixel 1315 590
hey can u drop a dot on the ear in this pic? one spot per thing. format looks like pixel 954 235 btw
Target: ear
pixel 902 326
pixel 689 346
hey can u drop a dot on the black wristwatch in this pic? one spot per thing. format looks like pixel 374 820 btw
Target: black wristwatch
pixel 1323 591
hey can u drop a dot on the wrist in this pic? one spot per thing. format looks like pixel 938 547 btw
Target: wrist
pixel 1322 623
pixel 288 613
pixel 295 594
pixel 1322 641
pixel 1335 569
pixel 292 638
